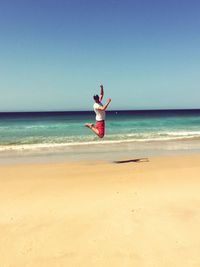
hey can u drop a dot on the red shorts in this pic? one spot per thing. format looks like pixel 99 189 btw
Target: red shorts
pixel 100 125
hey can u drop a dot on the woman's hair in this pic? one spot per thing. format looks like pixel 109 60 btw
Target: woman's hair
pixel 96 97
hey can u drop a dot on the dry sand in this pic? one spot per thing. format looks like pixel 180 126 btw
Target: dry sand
pixel 101 214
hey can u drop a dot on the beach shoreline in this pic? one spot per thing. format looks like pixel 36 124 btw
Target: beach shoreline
pixel 98 151
pixel 99 213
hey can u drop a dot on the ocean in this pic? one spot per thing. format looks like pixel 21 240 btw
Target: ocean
pixel 129 133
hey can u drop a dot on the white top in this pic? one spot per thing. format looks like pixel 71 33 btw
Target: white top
pixel 100 114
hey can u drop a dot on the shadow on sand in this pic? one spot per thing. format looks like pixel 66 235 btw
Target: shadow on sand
pixel 132 160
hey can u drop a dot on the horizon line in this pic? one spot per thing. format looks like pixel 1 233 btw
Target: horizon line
pixel 112 110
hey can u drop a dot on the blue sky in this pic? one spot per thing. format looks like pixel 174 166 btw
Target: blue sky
pixel 54 54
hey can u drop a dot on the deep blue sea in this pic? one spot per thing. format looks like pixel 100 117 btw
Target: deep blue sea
pixel 53 131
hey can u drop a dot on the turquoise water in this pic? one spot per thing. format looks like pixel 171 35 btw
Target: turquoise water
pixel 35 131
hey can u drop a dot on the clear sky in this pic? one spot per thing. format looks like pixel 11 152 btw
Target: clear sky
pixel 55 53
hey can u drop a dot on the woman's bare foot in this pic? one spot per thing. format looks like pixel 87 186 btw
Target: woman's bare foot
pixel 89 125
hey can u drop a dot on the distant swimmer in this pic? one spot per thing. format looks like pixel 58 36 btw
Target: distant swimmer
pixel 99 109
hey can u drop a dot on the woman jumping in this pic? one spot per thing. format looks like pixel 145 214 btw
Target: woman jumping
pixel 99 109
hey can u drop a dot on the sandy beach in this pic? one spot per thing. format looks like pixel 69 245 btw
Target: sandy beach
pixel 99 213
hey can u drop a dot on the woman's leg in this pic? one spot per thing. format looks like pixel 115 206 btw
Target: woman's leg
pixel 94 129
